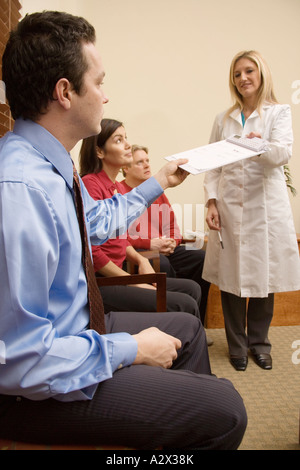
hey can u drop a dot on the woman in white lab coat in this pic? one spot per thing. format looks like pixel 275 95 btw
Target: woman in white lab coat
pixel 248 204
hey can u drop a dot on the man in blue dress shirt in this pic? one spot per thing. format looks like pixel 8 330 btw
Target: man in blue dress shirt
pixel 147 381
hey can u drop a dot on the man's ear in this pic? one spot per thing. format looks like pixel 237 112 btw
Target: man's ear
pixel 63 92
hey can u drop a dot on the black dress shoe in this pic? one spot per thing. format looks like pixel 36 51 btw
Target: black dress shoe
pixel 239 363
pixel 263 360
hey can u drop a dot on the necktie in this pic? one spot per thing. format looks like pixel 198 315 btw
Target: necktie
pixel 94 297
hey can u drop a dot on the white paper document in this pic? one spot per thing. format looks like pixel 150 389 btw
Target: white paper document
pixel 219 154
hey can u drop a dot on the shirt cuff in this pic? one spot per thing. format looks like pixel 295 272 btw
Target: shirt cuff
pixel 150 190
pixel 123 349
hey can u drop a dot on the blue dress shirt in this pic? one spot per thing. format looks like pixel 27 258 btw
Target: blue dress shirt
pixel 49 350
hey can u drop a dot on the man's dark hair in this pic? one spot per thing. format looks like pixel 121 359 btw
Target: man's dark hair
pixel 44 48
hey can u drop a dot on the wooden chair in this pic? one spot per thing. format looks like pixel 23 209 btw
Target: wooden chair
pixel 158 278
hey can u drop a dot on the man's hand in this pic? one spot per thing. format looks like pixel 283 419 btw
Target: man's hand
pixel 156 348
pixel 170 175
pixel 164 245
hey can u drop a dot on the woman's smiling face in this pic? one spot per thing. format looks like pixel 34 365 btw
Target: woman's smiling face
pixel 246 78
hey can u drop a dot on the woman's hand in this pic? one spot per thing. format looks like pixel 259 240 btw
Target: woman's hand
pixel 145 267
pixel 213 219
pixel 143 264
pixel 253 134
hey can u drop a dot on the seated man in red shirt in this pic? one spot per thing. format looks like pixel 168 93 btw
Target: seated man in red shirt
pixel 157 229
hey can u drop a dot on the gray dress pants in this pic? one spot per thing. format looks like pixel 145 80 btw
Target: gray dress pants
pixel 183 295
pixel 141 406
pixel 247 323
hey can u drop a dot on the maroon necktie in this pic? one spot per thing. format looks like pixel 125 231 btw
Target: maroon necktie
pixel 94 297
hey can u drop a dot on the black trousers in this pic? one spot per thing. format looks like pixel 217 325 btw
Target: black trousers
pixel 188 263
pixel 247 323
pixel 183 295
pixel 141 406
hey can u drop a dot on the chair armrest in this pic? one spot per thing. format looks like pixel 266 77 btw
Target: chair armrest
pixel 187 240
pixel 158 278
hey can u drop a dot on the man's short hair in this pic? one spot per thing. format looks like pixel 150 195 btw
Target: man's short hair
pixel 139 147
pixel 44 48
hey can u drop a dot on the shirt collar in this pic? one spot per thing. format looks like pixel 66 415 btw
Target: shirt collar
pixel 236 113
pixel 45 143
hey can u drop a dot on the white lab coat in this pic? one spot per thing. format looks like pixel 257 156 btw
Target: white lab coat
pixel 260 254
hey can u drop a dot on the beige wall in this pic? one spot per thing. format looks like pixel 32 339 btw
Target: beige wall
pixel 167 67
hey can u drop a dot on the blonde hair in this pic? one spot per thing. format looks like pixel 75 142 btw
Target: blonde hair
pixel 265 92
pixel 139 147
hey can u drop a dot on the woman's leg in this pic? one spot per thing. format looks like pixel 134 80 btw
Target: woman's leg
pixel 182 296
pixel 234 311
pixel 259 317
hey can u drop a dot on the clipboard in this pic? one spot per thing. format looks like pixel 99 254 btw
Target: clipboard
pixel 218 154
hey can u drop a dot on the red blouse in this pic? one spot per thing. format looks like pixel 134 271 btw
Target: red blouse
pixel 100 186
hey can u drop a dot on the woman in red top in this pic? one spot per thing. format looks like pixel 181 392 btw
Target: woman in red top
pixel 101 159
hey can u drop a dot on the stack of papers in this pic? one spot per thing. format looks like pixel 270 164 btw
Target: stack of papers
pixel 221 153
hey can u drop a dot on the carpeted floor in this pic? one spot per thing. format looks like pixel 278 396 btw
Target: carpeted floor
pixel 272 398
